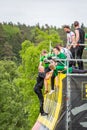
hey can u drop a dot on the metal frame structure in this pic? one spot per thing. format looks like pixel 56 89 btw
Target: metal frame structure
pixel 68 92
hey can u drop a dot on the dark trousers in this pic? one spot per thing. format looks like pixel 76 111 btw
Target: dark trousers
pixel 78 71
pixel 52 81
pixel 38 91
pixel 78 53
pixel 72 63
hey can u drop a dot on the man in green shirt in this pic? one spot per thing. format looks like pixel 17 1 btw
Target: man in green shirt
pixel 60 65
pixel 45 56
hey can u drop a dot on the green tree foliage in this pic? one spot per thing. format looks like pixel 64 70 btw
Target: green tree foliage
pixel 45 36
pixel 10 30
pixel 14 35
pixel 13 115
pixel 62 35
pixel 28 69
pixel 2 34
pixel 7 52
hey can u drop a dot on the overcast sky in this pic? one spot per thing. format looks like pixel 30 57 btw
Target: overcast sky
pixel 51 12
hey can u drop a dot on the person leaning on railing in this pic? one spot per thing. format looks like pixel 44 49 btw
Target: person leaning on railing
pixel 44 56
pixel 57 55
pixel 60 65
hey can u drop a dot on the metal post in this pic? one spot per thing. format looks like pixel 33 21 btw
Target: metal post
pixel 68 104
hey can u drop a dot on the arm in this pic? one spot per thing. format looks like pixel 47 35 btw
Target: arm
pixel 77 36
pixel 41 61
pixel 73 40
pixel 40 64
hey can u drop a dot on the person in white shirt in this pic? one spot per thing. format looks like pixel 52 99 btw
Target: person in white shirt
pixel 70 36
pixel 70 41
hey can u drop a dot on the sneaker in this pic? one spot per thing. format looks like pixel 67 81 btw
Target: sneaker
pixel 44 114
pixel 52 91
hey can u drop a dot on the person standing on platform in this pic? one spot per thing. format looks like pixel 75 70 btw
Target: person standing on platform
pixel 70 41
pixel 79 39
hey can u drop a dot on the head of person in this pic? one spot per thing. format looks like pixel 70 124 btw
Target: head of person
pixel 52 66
pixel 41 69
pixel 76 24
pixel 44 53
pixel 59 45
pixel 66 28
pixel 56 50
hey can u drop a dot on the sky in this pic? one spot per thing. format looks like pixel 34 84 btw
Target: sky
pixel 51 12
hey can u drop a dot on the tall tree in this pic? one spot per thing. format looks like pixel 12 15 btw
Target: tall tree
pixel 13 114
